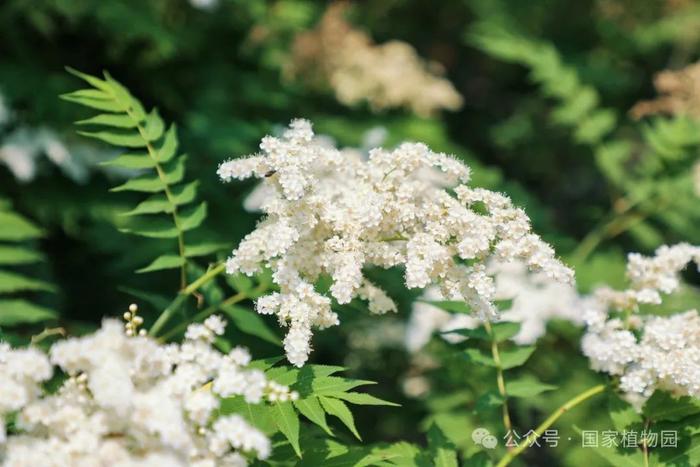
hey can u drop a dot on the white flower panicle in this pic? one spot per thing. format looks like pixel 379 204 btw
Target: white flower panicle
pixel 329 212
pixel 426 319
pixel 536 299
pixel 647 352
pixel 129 401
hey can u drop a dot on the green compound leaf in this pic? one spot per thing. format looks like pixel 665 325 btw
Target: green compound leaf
pixel 338 409
pixel 127 139
pixel 151 228
pixel 16 228
pixel 261 416
pixel 480 357
pixel 330 385
pixel 662 406
pixel 124 123
pixel 288 423
pixel 311 408
pixel 110 120
pixel 151 183
pixel 14 312
pixel 204 249
pixel 442 450
pixel 12 282
pixel 18 255
pixel 501 332
pixel 527 387
pixel 577 104
pixel 249 322
pixel 154 126
pixel 360 398
pixel 192 218
pixel 131 160
pixel 511 358
pixel 488 401
pixel 163 262
pixel 168 148
pixel 98 101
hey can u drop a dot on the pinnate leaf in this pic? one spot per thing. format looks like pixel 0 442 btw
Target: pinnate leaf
pixel 163 262
pixel 288 423
pixel 13 312
pixel 339 409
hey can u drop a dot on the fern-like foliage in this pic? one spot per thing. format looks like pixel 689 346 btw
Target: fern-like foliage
pixel 578 104
pixel 656 175
pixel 651 170
pixel 171 209
pixel 16 251
pixel 676 28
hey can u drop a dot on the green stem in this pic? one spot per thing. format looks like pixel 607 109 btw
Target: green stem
pixel 47 333
pixel 500 380
pixel 591 241
pixel 202 315
pixel 168 194
pixel 393 238
pixel 570 404
pixel 617 223
pixel 167 314
pixel 645 447
pixel 182 295
pixel 204 278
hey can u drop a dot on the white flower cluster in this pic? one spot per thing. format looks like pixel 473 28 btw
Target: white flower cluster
pixel 651 276
pixel 24 148
pixel 129 402
pixel 536 299
pixel 335 215
pixel 426 319
pixel 646 351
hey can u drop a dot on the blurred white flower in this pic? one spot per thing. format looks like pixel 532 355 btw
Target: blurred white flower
pixel 416 386
pixel 387 75
pixel 536 299
pixel 23 150
pixel 204 4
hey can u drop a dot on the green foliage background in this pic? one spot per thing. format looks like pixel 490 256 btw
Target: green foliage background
pixel 547 85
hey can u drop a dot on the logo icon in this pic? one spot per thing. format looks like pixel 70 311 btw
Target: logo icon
pixel 482 437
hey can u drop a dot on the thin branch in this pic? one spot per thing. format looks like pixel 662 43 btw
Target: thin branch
pixel 500 381
pixel 570 404
pixel 182 295
pixel 202 315
pixel 168 194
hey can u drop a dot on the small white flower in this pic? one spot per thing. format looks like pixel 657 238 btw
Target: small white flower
pixel 215 324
